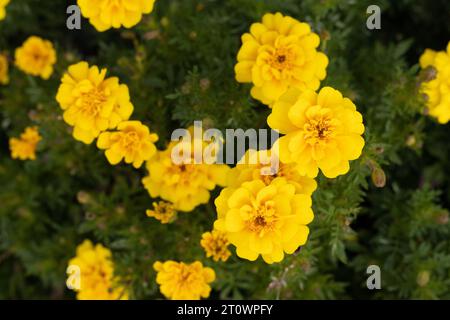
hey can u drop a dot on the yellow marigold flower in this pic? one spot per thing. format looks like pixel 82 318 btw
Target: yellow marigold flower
pixel 106 14
pixel 267 220
pixel 132 141
pixel 36 57
pixel 262 165
pixel 181 281
pixel 3 4
pixel 4 78
pixel 216 244
pixel 162 211
pixel 323 130
pixel 437 87
pixel 96 274
pixel 277 54
pixel 91 102
pixel 24 148
pixel 185 185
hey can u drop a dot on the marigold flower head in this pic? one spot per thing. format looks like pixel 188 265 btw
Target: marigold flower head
pixel 279 53
pixel 267 220
pixel 4 66
pixel 3 4
pixel 36 57
pixel 322 130
pixel 24 148
pixel 97 281
pixel 216 244
pixel 264 165
pixel 182 281
pixel 437 89
pixel 91 102
pixel 132 141
pixel 186 184
pixel 106 14
pixel 162 211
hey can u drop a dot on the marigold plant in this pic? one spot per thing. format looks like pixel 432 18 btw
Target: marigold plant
pixel 163 211
pixel 267 220
pixel 215 244
pixel 436 86
pixel 185 185
pixel 96 274
pixel 91 102
pixel 36 57
pixel 107 14
pixel 182 281
pixel 322 131
pixel 132 142
pixel 24 148
pixel 279 53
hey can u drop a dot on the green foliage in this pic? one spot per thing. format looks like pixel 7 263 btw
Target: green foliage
pixel 178 63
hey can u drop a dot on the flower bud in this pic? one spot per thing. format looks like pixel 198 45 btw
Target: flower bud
pixel 83 197
pixel 423 278
pixel 378 177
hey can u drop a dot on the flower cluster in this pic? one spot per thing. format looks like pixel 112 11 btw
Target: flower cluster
pixel 162 211
pixel 181 281
pixel 436 88
pixel 93 104
pixel 279 53
pixel 265 209
pixel 3 4
pixel 186 185
pixel 4 77
pixel 96 274
pixel 322 130
pixel 216 244
pixel 36 57
pixel 24 148
pixel 107 14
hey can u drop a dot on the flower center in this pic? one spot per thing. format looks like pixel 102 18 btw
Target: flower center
pixel 91 102
pixel 130 140
pixel 319 129
pixel 263 218
pixel 282 59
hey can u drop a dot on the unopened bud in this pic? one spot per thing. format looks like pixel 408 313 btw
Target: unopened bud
pixel 411 141
pixel 423 278
pixel 442 217
pixel 378 177
pixel 205 84
pixel 83 197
